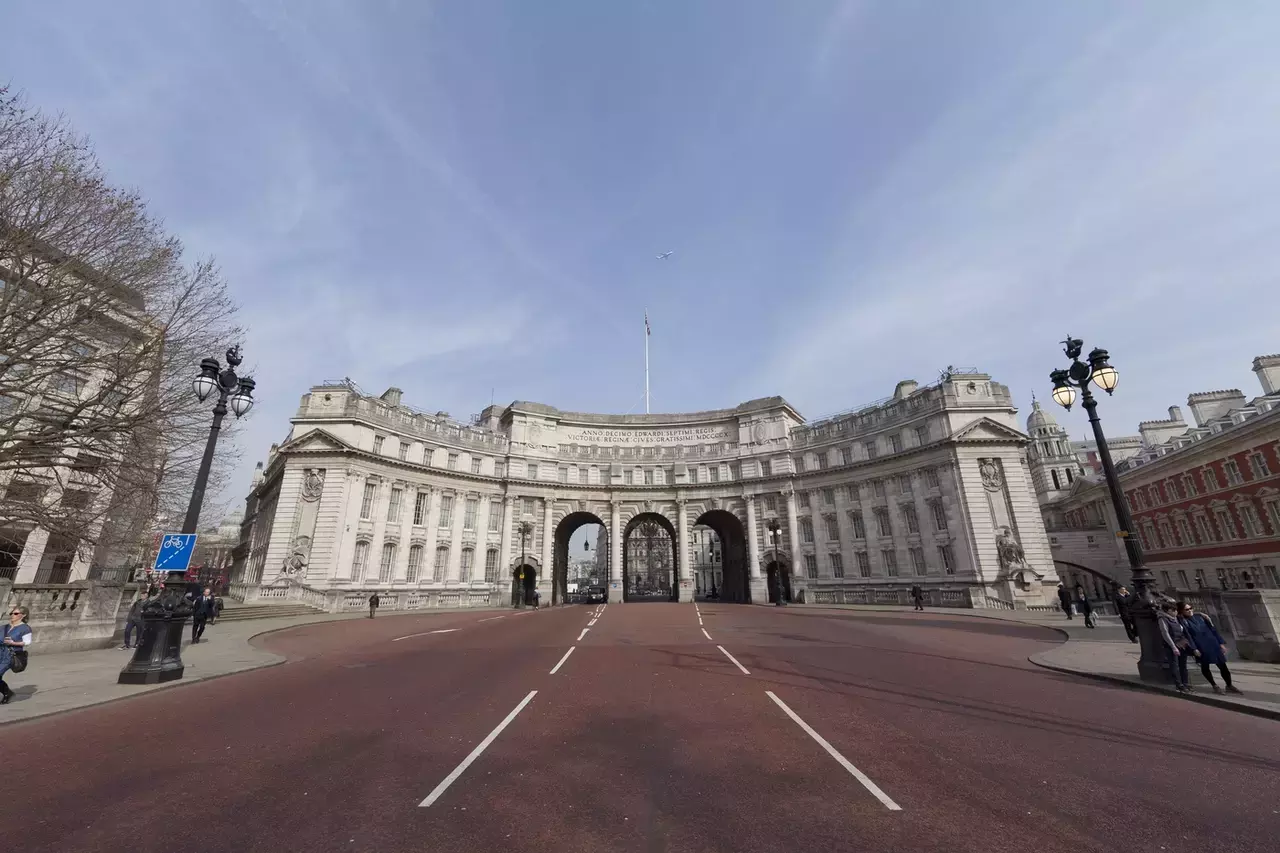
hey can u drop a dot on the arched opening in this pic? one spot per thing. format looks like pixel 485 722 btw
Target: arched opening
pixel 725 573
pixel 581 559
pixel 1098 586
pixel 778 578
pixel 524 582
pixel 649 559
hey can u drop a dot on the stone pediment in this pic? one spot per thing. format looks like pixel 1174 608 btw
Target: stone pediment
pixel 316 441
pixel 985 429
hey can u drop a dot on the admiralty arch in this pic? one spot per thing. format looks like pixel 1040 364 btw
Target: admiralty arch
pixel 927 487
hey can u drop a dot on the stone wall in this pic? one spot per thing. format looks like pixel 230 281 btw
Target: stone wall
pixel 71 617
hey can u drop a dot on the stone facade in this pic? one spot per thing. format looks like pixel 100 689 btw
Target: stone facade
pixel 929 487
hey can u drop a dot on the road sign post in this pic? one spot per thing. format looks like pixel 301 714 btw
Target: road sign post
pixel 158 657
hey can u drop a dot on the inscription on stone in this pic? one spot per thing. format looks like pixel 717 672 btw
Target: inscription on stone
pixel 673 435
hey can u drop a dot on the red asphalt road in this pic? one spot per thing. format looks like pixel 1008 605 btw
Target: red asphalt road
pixel 648 738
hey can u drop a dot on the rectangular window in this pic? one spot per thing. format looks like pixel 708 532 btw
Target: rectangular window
pixel 714 471
pixel 1184 532
pixel 1234 478
pixel 446 512
pixel 1202 580
pixel 735 471
pixel 917 561
pixel 1205 529
pixel 811 565
pixel 799 464
pixel 829 496
pixel 890 560
pixel 859 528
pixel 648 476
pixel 495 516
pixel 852 493
pixel 366 502
pixel 904 484
pixel 441 564
pixel 693 475
pixel 822 461
pixel 475 464
pixel 469 517
pixel 846 456
pixel 802 498
pixel 452 463
pixel 1183 581
pixel 837 565
pixel 490 566
pixel 628 477
pixel 532 470
pixel 870 447
pixel 393 508
pixel 947 557
pixel 931 477
pixel 806 530
pixel 499 469
pixel 1171 489
pixel 1226 524
pixel 415 563
pixel 562 474
pixel 895 444
pixel 771 503
pixel 1258 465
pixel 877 486
pixel 864 564
pixel 420 504
pixel 468 560
pixel 1273 514
pixel 833 527
pixel 884 527
pixel 1252 524
pixel 922 434
pixel 360 561
pixel 1210 479
pixel 1273 576
pixel 912 521
pixel 386 568
pixel 404 451
pixel 529 507
pixel 1189 485
pixel 939 515
pixel 765 468
pixel 377 443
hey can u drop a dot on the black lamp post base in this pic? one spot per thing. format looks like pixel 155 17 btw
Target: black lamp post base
pixel 1153 662
pixel 158 657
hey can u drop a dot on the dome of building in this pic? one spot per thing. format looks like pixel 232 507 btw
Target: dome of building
pixel 1039 419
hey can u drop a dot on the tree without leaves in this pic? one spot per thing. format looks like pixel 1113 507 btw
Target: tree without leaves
pixel 102 328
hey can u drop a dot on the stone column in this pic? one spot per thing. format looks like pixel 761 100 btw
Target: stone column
pixel 753 538
pixel 547 577
pixel 682 538
pixel 433 535
pixel 793 535
pixel 32 555
pixel 454 574
pixel 615 553
pixel 504 553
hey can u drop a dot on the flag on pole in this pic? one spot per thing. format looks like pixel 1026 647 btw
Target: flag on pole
pixel 647 333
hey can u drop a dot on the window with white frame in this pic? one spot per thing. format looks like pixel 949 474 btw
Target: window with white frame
pixel 387 567
pixel 947 557
pixel 833 527
pixel 771 503
pixel 864 564
pixel 360 560
pixel 1252 523
pixel 939 515
pixel 491 565
pixel 837 564
pixel 922 434
pixel 851 492
pixel 648 476
pixel 528 506
pixel 822 460
pixel 859 528
pixel 1258 465
pixel 800 465
pixel 693 474
pixel 415 563
pixel 1234 477
pixel 562 474
pixel 499 469
pixel 1205 529
pixel 378 441
pixel 366 502
pixel 877 488
pixel 469 517
pixel 1273 515
pixel 393 506
pixel 811 565
pixel 802 499
pixel 806 530
pixel 531 471
pixel 476 462
pixel 1189 485
pixel 910 519
pixel 884 527
pixel 735 471
pixel 846 456
pixel 1171 489
pixel 428 455
pixel 628 477
pixel 829 496
pixel 1210 479
pixel 890 560
pixel 441 565
pixel 1184 531
pixel 452 462
pixel 446 512
pixel 917 561
pixel 895 444
pixel 468 558
pixel 713 472
pixel 404 451
pixel 766 470
pixel 495 516
pixel 870 447
pixel 1226 523
pixel 931 477
pixel 1166 533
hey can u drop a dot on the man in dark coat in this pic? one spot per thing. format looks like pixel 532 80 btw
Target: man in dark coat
pixel 201 611
pixel 1064 599
pixel 917 595
pixel 373 605
pixel 1123 600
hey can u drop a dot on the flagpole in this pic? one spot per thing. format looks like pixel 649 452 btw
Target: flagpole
pixel 646 361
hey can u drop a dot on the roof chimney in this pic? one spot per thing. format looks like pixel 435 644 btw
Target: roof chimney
pixel 392 396
pixel 905 389
pixel 1267 369
pixel 1211 405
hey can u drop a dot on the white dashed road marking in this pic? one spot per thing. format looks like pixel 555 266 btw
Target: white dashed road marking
pixel 583 634
pixel 705 634
pixel 735 660
pixel 475 753
pixel 556 668
pixel 425 633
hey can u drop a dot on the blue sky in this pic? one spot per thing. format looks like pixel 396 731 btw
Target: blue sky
pixel 465 198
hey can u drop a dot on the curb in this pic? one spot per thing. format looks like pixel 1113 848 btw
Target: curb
pixel 970 614
pixel 184 681
pixel 1203 699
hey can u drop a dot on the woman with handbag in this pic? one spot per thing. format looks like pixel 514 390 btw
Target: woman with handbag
pixel 13 652
pixel 1178 642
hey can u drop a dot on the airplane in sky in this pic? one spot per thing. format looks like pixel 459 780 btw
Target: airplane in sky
pixel 665 255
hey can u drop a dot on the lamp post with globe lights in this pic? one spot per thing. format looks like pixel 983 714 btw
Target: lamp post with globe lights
pixel 158 655
pixel 775 536
pixel 526 530
pixel 1067 385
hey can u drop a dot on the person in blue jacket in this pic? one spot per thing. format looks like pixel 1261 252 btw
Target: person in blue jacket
pixel 17 636
pixel 1209 645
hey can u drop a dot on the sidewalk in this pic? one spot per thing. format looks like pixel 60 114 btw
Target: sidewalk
pixel 1105 654
pixel 54 684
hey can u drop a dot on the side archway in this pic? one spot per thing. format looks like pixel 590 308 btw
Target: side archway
pixel 560 553
pixel 649 559
pixel 733 554
pixel 777 570
pixel 524 580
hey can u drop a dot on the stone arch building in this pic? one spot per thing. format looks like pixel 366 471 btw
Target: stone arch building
pixel 928 487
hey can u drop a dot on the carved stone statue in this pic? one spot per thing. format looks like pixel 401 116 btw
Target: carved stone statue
pixel 295 565
pixel 1014 560
pixel 312 484
pixel 990 472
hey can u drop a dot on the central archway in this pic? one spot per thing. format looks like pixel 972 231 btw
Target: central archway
pixel 560 553
pixel 733 554
pixel 649 559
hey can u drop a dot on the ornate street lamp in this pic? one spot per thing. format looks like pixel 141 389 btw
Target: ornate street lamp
pixel 526 530
pixel 1066 383
pixel 775 535
pixel 158 655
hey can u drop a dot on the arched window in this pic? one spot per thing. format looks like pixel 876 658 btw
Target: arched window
pixel 415 563
pixel 468 557
pixel 386 568
pixel 1056 483
pixel 442 562
pixel 491 565
pixel 360 560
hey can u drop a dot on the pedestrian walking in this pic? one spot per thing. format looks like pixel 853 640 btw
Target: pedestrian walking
pixel 537 599
pixel 1124 603
pixel 201 610
pixel 1064 600
pixel 13 652
pixel 917 595
pixel 1209 646
pixel 1178 643
pixel 217 610
pixel 133 622
pixel 1086 609
pixel 373 605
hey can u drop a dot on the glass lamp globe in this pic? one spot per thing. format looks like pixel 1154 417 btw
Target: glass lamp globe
pixel 1064 396
pixel 1106 377
pixel 204 385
